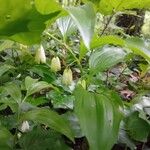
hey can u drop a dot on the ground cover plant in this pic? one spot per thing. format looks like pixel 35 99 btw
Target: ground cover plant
pixel 74 75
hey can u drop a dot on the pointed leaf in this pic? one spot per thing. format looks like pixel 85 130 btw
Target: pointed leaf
pixel 101 41
pixel 66 25
pixel 36 87
pixel 98 115
pixel 51 119
pixel 103 59
pixel 14 91
pixel 84 17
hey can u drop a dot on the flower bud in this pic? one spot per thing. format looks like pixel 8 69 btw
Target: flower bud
pixel 25 126
pixel 55 64
pixel 82 83
pixel 40 55
pixel 67 77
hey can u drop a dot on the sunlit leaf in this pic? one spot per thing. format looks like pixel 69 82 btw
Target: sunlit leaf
pixel 107 7
pixel 22 23
pixel 47 6
pixel 66 25
pixel 84 18
pixel 101 41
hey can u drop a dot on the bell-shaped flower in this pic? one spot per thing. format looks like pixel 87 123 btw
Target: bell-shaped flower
pixel 67 77
pixel 55 64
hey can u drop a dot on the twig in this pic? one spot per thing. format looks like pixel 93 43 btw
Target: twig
pixel 106 26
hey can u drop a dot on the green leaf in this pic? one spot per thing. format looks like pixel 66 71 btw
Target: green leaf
pixel 47 6
pixel 5 102
pixel 101 41
pixel 51 119
pixel 107 7
pixel 137 128
pixel 99 116
pixel 66 25
pixel 33 85
pixel 84 17
pixel 124 138
pixel 5 139
pixel 41 139
pixel 6 44
pixel 14 91
pixel 138 46
pixel 103 59
pixel 5 68
pixel 22 23
pixel 29 81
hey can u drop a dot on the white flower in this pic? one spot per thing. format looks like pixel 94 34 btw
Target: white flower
pixel 25 126
pixel 67 77
pixel 55 64
pixel 40 55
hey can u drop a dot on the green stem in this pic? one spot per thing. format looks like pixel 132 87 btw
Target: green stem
pixel 68 48
pixel 16 131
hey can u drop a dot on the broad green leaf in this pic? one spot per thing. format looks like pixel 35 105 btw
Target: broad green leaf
pixel 29 82
pixel 66 25
pixel 84 17
pixel 101 41
pixel 108 39
pixel 6 139
pixel 14 91
pixel 41 139
pixel 5 68
pixel 22 23
pixel 139 4
pixel 33 85
pixel 104 58
pixel 137 128
pixel 138 46
pixel 107 7
pixel 51 119
pixel 99 117
pixel 93 1
pixel 47 6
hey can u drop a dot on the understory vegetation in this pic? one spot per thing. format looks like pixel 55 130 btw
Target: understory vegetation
pixel 74 75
